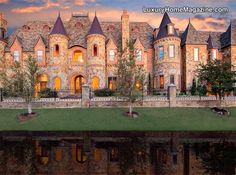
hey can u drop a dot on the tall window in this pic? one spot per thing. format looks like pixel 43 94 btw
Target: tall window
pixel 171 51
pixel 160 52
pixel 78 153
pixel 58 154
pixel 78 56
pixel 95 83
pixel 196 54
pixel 170 29
pixel 112 83
pixel 40 56
pixel 56 50
pixel 57 84
pixel 114 154
pixel 139 55
pixel 213 54
pixel 111 55
pixel 172 79
pixel 16 56
pixel 95 50
pixel 161 81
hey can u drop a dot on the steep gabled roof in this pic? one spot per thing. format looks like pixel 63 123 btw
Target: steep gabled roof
pixel 229 37
pixel 163 27
pixel 211 44
pixel 190 35
pixel 95 27
pixel 58 27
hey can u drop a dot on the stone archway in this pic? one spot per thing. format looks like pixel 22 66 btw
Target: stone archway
pixel 76 83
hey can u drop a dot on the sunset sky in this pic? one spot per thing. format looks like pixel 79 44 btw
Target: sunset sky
pixel 17 12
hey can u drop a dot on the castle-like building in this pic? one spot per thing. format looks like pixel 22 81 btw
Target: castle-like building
pixel 77 52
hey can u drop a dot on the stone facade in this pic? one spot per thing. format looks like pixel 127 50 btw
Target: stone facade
pixel 76 63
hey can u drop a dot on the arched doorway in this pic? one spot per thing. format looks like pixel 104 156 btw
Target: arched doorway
pixel 78 82
pixel 57 83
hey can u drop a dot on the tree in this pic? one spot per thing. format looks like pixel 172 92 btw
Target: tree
pixel 218 75
pixel 21 80
pixel 131 78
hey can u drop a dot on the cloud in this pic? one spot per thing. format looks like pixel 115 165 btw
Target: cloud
pixel 79 2
pixel 32 9
pixel 3 1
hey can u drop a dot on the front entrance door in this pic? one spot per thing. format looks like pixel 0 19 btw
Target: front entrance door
pixel 79 81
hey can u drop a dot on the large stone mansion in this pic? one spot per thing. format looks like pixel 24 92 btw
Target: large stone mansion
pixel 76 52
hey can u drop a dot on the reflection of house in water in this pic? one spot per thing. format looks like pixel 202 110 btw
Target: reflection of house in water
pixel 98 152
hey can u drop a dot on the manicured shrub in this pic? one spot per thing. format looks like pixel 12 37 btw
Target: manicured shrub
pixel 48 93
pixel 103 92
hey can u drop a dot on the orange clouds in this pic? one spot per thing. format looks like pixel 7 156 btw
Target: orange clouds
pixel 79 2
pixel 32 9
pixel 3 1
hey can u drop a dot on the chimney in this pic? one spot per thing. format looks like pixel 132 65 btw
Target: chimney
pixel 125 28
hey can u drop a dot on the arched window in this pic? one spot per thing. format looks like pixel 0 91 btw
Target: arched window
pixel 57 83
pixel 56 50
pixel 78 153
pixel 95 50
pixel 95 83
pixel 78 56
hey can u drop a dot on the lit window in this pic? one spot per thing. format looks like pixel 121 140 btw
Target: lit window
pixel 138 85
pixel 112 83
pixel 78 153
pixel 160 53
pixel 170 29
pixel 56 50
pixel 78 56
pixel 58 155
pixel 95 50
pixel 57 84
pixel 16 56
pixel 40 56
pixel 114 154
pixel 95 83
pixel 112 55
pixel 171 51
pixel 42 154
pixel 196 54
pixel 172 79
pixel 161 81
pixel 139 55
pixel 97 155
pixel 213 55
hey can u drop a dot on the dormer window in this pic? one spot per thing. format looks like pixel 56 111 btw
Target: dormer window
pixel 16 56
pixel 139 55
pixel 40 56
pixel 95 50
pixel 56 50
pixel 170 28
pixel 111 55
pixel 213 54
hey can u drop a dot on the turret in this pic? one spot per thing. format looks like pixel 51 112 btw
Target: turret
pixel 3 34
pixel 3 27
pixel 167 56
pixel 96 55
pixel 58 45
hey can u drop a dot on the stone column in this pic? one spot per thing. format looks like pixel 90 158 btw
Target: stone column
pixel 172 95
pixel 85 102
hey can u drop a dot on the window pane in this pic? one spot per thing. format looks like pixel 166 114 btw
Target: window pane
pixel 161 52
pixel 196 54
pixel 172 79
pixel 16 55
pixel 112 55
pixel 112 83
pixel 213 54
pixel 171 51
pixel 40 56
pixel 78 56
pixel 139 55
pixel 161 81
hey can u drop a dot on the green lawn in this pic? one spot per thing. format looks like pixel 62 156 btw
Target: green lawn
pixel 111 119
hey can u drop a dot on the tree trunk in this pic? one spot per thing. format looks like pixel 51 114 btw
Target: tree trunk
pixel 130 108
pixel 29 108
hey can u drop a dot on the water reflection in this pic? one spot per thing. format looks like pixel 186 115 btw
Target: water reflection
pixel 118 153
